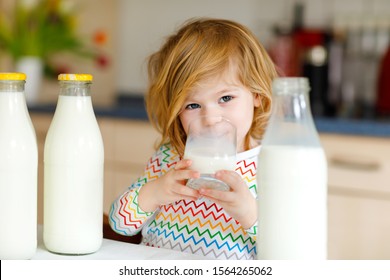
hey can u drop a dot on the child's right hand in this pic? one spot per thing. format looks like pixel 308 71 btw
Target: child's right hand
pixel 168 188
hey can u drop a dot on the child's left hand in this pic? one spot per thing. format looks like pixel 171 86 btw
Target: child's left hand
pixel 238 202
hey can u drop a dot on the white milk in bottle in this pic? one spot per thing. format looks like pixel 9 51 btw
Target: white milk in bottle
pixel 292 179
pixel 18 171
pixel 73 172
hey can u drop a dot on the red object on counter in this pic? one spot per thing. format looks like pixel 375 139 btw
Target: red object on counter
pixel 383 98
pixel 288 50
pixel 286 55
pixel 308 38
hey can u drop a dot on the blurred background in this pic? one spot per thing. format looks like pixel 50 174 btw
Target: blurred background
pixel 342 46
pixel 339 45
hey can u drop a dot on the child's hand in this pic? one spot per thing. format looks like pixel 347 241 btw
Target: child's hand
pixel 168 188
pixel 238 202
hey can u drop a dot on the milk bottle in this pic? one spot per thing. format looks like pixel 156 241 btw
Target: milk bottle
pixel 292 179
pixel 18 171
pixel 73 171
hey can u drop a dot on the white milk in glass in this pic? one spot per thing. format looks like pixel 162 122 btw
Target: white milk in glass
pixel 207 158
pixel 211 144
pixel 18 178
pixel 205 161
pixel 73 179
pixel 292 216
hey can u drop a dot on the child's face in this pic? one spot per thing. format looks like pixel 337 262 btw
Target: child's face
pixel 222 96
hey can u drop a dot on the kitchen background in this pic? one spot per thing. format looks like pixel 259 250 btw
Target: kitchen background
pixel 341 45
pixel 338 44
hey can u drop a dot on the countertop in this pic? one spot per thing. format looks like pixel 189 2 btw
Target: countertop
pixel 115 250
pixel 133 108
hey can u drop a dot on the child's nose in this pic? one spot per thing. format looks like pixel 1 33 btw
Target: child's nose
pixel 210 120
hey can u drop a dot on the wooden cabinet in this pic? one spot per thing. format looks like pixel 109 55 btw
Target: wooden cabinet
pixel 41 124
pixel 359 196
pixel 128 146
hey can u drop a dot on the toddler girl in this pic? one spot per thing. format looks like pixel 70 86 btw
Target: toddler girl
pixel 210 67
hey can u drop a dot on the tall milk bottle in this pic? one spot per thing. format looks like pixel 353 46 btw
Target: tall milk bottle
pixel 18 171
pixel 73 172
pixel 292 179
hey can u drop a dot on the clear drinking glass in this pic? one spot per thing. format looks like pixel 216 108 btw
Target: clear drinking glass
pixel 211 145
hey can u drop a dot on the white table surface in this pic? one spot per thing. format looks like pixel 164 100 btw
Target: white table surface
pixel 115 250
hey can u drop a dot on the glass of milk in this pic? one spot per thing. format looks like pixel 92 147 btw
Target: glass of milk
pixel 211 145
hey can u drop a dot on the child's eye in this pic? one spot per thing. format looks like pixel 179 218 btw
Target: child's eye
pixel 192 106
pixel 226 98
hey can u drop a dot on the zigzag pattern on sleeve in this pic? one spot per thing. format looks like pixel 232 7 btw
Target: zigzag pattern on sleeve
pixel 198 227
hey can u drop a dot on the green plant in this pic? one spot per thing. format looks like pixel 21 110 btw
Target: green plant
pixel 42 28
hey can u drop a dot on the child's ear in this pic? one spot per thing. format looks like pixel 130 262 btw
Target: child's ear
pixel 256 100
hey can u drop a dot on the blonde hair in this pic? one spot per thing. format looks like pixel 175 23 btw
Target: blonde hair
pixel 201 49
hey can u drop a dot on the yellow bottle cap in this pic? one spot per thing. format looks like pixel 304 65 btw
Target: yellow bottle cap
pixel 75 77
pixel 13 76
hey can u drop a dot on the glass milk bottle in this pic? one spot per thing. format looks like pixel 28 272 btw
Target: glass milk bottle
pixel 292 179
pixel 18 171
pixel 73 171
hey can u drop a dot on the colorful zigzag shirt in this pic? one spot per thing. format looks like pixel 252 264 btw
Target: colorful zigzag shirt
pixel 199 227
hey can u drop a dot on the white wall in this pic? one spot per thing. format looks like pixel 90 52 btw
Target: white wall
pixel 145 23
